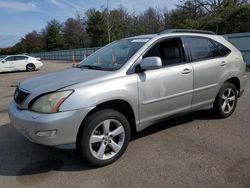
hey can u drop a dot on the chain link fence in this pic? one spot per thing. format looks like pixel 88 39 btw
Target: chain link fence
pixel 67 55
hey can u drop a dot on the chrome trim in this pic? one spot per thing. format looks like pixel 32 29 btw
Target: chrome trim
pixel 205 87
pixel 167 97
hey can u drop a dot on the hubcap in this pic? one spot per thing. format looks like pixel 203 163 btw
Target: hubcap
pixel 228 100
pixel 107 139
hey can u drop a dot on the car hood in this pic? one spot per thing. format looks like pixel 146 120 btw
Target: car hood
pixel 58 80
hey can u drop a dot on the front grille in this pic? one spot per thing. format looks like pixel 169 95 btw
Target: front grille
pixel 20 95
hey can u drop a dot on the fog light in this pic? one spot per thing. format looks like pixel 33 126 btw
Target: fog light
pixel 49 133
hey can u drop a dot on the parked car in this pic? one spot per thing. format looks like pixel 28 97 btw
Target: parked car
pixel 19 63
pixel 127 86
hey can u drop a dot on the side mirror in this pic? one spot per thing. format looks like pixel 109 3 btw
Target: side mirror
pixel 151 63
pixel 3 61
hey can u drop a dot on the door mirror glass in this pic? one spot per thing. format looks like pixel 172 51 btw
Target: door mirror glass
pixel 151 63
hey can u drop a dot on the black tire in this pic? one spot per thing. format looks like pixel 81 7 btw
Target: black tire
pixel 221 103
pixel 92 126
pixel 30 67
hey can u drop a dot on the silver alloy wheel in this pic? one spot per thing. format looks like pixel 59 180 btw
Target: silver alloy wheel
pixel 30 67
pixel 107 139
pixel 228 100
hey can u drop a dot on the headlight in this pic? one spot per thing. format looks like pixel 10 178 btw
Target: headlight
pixel 50 103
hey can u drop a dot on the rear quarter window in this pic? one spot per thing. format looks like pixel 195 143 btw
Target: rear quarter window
pixel 224 51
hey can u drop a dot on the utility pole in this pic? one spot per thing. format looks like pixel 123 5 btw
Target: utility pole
pixel 108 21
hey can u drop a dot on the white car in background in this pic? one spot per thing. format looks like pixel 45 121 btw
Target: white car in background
pixel 19 63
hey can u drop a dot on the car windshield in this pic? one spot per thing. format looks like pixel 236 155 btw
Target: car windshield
pixel 113 56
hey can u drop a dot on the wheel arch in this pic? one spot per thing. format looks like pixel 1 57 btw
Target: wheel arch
pixel 235 81
pixel 119 105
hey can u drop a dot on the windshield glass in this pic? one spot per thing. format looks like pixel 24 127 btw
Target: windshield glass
pixel 113 56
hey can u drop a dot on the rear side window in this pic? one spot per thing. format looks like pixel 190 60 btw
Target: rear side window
pixel 20 57
pixel 202 48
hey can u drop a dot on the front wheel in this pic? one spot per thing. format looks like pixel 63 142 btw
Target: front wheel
pixel 104 138
pixel 226 101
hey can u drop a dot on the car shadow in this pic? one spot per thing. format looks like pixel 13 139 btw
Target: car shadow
pixel 12 72
pixel 21 71
pixel 19 157
pixel 174 121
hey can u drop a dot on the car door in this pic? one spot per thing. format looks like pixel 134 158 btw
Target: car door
pixel 6 64
pixel 167 90
pixel 20 62
pixel 208 66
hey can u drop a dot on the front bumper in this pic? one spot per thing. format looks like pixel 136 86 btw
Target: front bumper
pixel 63 125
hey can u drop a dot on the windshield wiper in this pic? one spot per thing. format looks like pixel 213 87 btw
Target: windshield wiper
pixel 91 67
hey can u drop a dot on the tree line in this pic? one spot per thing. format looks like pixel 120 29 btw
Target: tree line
pixel 99 27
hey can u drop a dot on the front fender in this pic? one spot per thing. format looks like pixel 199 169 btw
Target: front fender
pixel 86 96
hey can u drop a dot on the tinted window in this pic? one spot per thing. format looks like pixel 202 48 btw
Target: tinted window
pixel 214 49
pixel 221 48
pixel 170 51
pixel 20 57
pixel 201 48
pixel 204 48
pixel 10 58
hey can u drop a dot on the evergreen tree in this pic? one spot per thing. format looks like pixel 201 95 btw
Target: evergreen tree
pixel 53 35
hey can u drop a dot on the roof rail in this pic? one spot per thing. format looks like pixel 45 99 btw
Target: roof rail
pixel 186 31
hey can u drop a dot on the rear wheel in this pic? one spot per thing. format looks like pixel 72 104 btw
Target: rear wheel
pixel 30 67
pixel 104 138
pixel 226 101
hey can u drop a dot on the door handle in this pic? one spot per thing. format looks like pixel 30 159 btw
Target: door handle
pixel 186 71
pixel 223 63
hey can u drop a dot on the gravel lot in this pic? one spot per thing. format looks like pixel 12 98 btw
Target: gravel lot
pixel 195 150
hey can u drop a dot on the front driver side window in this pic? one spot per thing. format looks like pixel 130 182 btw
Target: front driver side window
pixel 170 51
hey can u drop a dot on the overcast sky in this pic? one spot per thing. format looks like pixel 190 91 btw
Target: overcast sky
pixel 18 17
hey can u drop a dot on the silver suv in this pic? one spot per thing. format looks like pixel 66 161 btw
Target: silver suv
pixel 127 86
